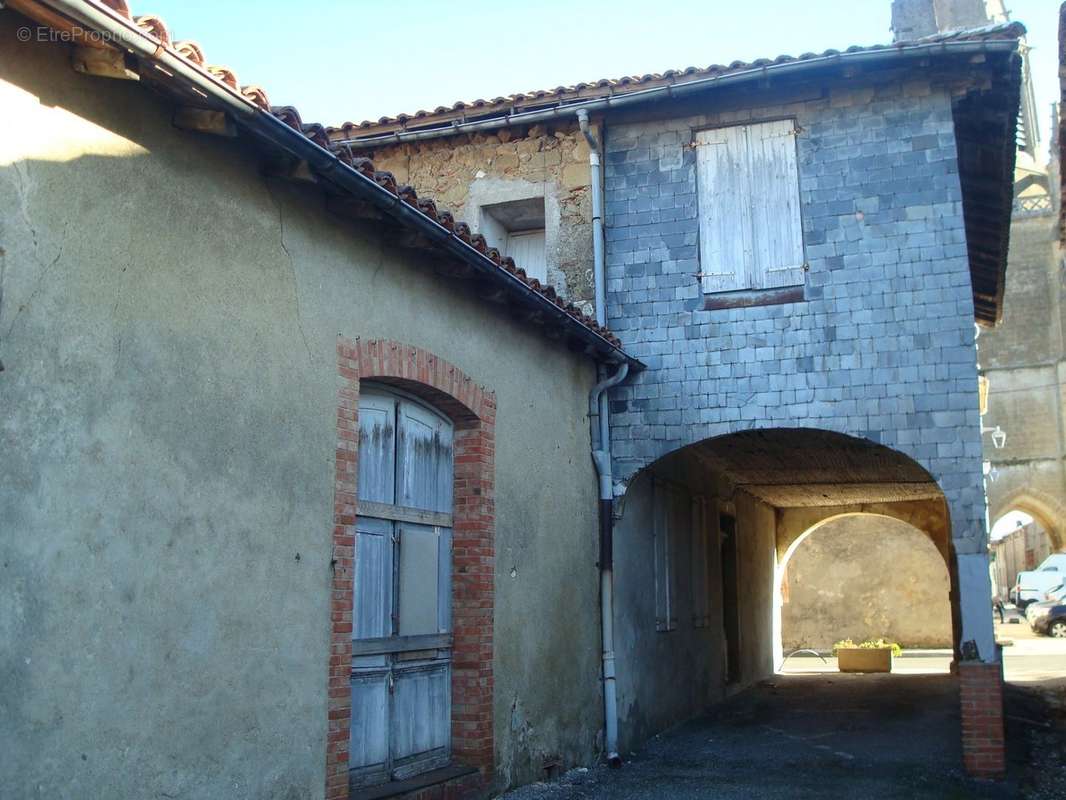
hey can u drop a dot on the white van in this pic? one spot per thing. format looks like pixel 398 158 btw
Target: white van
pixel 1032 584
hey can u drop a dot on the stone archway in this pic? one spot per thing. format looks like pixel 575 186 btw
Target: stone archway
pixel 1042 507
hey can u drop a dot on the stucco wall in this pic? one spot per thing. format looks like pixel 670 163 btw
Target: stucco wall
pixel 756 526
pixel 464 173
pixel 664 677
pixel 667 677
pixel 168 418
pixel 865 577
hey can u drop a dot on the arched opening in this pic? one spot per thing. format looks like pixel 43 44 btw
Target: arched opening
pixel 418 494
pixel 1007 507
pixel 1020 542
pixel 702 543
pixel 864 576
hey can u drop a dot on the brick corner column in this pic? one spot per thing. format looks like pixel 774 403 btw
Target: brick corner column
pixel 983 742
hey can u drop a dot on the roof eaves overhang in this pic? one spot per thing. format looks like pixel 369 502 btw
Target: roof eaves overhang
pixel 190 79
pixel 756 74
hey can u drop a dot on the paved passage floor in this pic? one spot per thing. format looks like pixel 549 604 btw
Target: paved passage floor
pixel 817 735
pixel 812 732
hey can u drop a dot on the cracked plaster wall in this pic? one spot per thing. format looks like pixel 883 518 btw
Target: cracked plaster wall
pixel 168 425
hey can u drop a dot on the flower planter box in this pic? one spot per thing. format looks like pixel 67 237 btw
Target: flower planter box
pixel 864 659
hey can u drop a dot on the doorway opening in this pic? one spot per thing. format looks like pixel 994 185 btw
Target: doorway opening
pixel 730 597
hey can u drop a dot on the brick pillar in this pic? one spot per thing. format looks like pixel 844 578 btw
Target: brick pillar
pixel 981 694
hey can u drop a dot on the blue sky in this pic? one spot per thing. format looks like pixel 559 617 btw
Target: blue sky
pixel 360 59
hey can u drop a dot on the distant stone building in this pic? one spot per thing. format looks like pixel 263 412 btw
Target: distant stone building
pixel 862 578
pixel 1022 549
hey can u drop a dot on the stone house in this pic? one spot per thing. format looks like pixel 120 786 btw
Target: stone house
pixel 268 424
pixel 798 250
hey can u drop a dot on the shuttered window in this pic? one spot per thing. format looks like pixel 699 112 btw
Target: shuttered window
pixel 665 500
pixel 527 250
pixel 401 632
pixel 751 234
pixel 699 562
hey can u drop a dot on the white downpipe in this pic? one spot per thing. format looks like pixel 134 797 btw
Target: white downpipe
pixel 601 456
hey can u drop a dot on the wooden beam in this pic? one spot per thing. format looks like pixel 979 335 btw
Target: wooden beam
pixel 103 63
pixel 202 120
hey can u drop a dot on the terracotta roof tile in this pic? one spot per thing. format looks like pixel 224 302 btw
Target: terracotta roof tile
pixel 155 27
pixel 604 87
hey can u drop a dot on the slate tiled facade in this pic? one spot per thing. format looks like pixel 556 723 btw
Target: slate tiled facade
pixel 882 346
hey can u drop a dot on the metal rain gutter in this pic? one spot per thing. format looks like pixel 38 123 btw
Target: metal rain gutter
pixel 323 162
pixel 680 89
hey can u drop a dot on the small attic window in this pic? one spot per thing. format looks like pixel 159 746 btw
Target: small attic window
pixel 516 229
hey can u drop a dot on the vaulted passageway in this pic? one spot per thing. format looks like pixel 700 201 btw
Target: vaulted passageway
pixel 701 545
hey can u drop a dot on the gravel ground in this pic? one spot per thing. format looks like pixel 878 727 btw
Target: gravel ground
pixel 1036 725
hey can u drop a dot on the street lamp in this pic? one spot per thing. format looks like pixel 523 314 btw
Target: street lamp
pixel 999 436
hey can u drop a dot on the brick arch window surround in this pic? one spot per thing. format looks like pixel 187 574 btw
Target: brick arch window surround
pixel 472 411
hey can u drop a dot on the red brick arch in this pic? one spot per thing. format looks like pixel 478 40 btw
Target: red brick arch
pixel 472 409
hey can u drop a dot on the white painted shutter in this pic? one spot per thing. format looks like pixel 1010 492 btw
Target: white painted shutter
pixel 527 250
pixel 751 234
pixel 724 200
pixel 775 205
pixel 444 580
pixel 368 740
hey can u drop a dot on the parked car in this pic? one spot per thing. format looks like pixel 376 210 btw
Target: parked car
pixel 1031 584
pixel 1048 618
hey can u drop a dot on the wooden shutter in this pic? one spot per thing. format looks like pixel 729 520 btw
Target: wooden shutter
pixel 421 721
pixel 372 595
pixel 775 205
pixel 425 459
pixel 401 667
pixel 444 580
pixel 751 234
pixel 368 741
pixel 419 576
pixel 377 447
pixel 701 601
pixel 664 556
pixel 724 201
pixel 527 250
